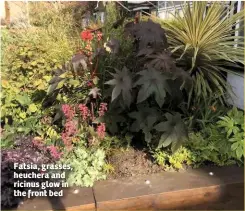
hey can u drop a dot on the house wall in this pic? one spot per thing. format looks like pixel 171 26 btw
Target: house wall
pixel 237 84
pixel 2 10
pixel 14 11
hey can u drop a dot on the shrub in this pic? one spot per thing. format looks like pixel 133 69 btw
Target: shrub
pixel 173 161
pixel 29 57
pixel 205 45
pixel 233 127
pixel 206 147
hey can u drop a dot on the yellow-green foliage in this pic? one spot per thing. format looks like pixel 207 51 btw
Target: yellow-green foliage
pixel 29 55
pixel 176 160
pixel 210 145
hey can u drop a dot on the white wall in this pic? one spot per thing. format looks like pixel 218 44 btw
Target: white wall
pixel 237 84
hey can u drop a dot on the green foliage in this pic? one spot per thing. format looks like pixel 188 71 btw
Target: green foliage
pixel 173 161
pixel 174 130
pixel 208 146
pixel 87 166
pixel 205 44
pixel 204 113
pixel 212 146
pixel 233 127
pixel 220 143
pixel 28 59
pixel 18 112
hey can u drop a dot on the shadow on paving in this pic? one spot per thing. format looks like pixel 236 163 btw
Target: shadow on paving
pixel 207 188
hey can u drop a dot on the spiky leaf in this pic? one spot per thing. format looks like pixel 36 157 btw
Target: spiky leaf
pixel 205 44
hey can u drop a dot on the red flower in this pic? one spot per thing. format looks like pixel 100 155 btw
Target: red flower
pixel 86 35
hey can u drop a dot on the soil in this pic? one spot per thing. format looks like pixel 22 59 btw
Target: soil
pixel 132 162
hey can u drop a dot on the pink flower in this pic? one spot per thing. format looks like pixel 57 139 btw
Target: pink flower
pixel 38 142
pixel 69 132
pixel 68 111
pixel 99 35
pixel 84 111
pixel 101 130
pixel 66 139
pixel 102 109
pixel 89 84
pixel 54 152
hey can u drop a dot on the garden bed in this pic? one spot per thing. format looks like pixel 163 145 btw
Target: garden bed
pixel 208 188
pixel 132 162
pixel 139 102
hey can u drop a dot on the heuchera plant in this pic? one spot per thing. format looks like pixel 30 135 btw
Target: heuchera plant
pixel 79 119
pixel 26 150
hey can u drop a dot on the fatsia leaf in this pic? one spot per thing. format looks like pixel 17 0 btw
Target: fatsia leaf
pixel 122 83
pixel 174 130
pixel 152 82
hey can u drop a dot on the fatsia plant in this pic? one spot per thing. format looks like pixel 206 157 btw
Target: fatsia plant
pixel 205 43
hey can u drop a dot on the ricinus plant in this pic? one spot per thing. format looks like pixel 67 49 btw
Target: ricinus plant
pixel 145 96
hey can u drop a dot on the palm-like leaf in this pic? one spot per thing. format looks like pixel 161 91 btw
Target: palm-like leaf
pixel 205 42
